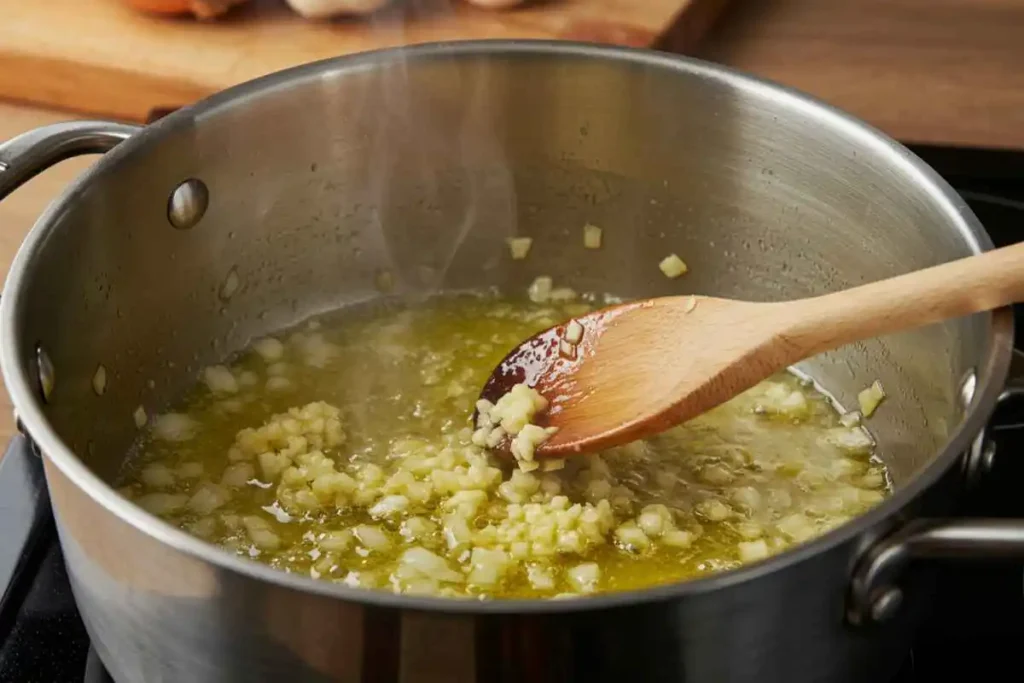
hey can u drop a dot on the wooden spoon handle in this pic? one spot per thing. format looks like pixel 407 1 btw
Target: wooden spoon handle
pixel 950 290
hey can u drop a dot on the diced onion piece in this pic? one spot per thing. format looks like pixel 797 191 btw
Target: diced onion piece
pixel 519 247
pixel 573 332
pixel 691 303
pixel 592 236
pixel 672 266
pixel 584 577
pixel 552 464
pixel 566 349
pixel 870 398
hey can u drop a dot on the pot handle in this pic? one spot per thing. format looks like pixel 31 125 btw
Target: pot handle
pixel 875 595
pixel 28 154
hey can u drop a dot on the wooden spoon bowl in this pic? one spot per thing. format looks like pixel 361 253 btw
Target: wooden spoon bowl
pixel 643 367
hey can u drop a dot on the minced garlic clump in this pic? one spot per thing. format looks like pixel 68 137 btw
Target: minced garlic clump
pixel 511 417
pixel 345 452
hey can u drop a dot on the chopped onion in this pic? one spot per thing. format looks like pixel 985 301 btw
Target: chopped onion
pixel 592 236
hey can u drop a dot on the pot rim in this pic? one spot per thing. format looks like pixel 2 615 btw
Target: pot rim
pixel 991 375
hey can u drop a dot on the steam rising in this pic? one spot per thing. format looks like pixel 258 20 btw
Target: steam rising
pixel 438 175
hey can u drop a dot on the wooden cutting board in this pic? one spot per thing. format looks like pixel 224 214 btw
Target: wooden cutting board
pixel 102 58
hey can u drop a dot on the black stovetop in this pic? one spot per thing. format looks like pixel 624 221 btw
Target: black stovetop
pixel 978 624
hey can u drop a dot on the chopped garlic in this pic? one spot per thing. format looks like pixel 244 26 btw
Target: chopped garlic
pixel 592 236
pixel 672 266
pixel 519 247
pixel 174 427
pixel 574 332
pixel 140 417
pixel 269 349
pixel 540 289
pixel 850 419
pixel 219 380
pixel 584 577
pixel 751 551
pixel 99 380
pixel 870 398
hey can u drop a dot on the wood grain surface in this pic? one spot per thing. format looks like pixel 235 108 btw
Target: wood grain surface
pixel 939 71
pixel 99 57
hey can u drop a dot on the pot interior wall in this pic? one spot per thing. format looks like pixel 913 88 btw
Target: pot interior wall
pixel 422 166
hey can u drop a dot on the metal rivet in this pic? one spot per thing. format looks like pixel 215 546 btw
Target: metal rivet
pixel 46 375
pixel 188 204
pixel 967 387
pixel 886 605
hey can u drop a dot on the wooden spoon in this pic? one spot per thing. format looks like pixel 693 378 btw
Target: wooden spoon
pixel 643 367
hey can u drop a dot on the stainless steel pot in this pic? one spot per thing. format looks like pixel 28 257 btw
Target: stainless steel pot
pixel 305 185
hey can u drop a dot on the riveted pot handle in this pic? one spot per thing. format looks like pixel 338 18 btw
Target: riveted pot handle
pixel 875 595
pixel 30 153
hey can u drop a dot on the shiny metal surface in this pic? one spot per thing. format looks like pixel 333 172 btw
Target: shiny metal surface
pixel 876 577
pixel 419 163
pixel 188 204
pixel 28 154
